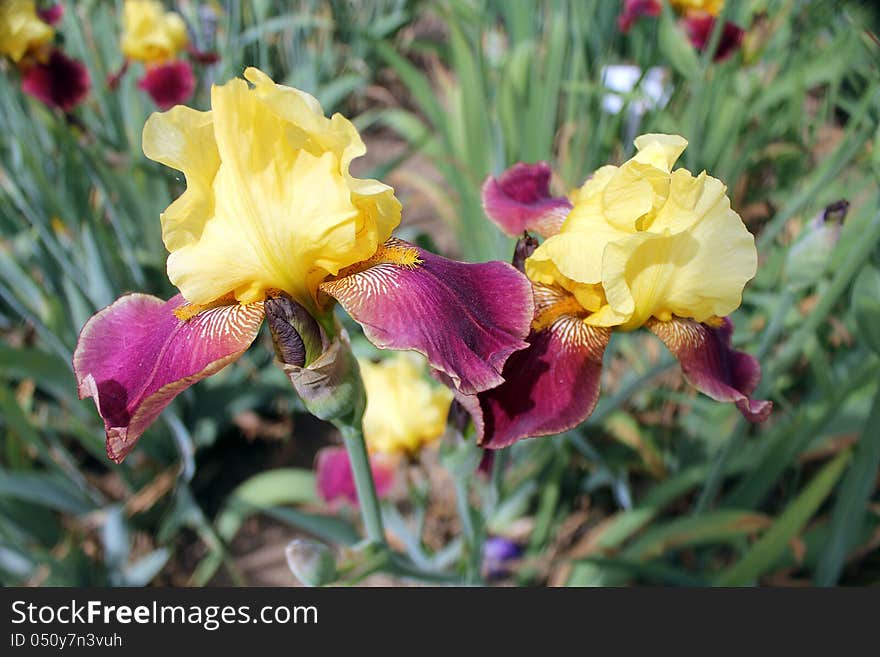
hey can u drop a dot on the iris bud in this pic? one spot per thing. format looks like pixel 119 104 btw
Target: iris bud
pixel 808 257
pixel 311 562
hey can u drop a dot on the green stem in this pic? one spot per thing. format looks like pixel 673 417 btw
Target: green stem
pixel 363 482
pixel 471 538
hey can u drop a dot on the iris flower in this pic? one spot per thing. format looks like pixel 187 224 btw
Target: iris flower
pixel 22 31
pixel 637 245
pixel 334 478
pixel 47 74
pixel 697 18
pixel 405 412
pixel 273 224
pixel 157 38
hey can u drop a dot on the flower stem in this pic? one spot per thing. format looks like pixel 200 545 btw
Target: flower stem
pixel 472 537
pixel 363 481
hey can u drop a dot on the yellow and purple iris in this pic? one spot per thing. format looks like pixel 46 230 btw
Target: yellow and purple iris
pixel 27 38
pixel 272 223
pixel 637 245
pixel 157 38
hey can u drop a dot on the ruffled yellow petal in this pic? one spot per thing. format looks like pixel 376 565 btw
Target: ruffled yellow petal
pixel 270 203
pixel 698 273
pixel 661 151
pixel 150 34
pixel 404 410
pixel 21 30
pixel 183 139
pixel 644 241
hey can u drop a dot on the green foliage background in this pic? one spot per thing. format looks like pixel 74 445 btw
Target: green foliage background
pixel 672 488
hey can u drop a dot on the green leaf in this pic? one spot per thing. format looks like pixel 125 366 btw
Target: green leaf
pixel 676 48
pixel 849 508
pixel 262 491
pixel 866 306
pixel 762 556
pixel 711 527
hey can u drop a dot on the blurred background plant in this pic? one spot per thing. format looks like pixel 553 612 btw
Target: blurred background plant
pixel 660 486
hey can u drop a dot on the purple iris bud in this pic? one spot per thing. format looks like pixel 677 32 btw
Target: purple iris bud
pixel 497 551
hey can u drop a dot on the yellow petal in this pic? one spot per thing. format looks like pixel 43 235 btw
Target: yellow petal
pixel 643 241
pixel 270 203
pixel 698 273
pixel 659 150
pixel 404 410
pixel 150 34
pixel 636 190
pixel 183 139
pixel 709 6
pixel 21 30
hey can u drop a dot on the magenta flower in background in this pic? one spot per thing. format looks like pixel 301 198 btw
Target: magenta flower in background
pixel 633 10
pixel 335 479
pixel 519 200
pixel 169 84
pixel 51 14
pixel 699 27
pixel 60 82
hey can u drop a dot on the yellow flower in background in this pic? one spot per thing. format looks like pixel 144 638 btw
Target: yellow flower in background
pixel 268 189
pixel 645 241
pixel 405 411
pixel 151 34
pixel 21 30
pixel 713 7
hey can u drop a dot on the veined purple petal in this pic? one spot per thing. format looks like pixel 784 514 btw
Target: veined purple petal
pixel 519 200
pixel 61 82
pixel 712 365
pixel 466 318
pixel 169 84
pixel 135 356
pixel 335 479
pixel 550 387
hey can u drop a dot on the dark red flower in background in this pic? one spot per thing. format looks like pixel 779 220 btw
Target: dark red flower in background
pixel 60 82
pixel 699 29
pixel 169 84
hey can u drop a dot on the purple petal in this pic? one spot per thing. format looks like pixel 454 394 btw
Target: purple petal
pixel 335 479
pixel 712 365
pixel 519 200
pixel 550 387
pixel 61 82
pixel 169 84
pixel 51 14
pixel 135 356
pixel 466 318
